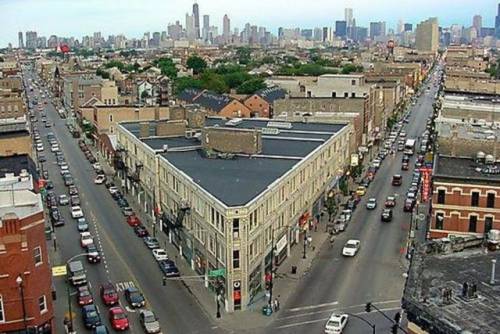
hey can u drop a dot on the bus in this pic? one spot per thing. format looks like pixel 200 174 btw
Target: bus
pixel 409 147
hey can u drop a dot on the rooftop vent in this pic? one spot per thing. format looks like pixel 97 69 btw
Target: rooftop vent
pixel 480 155
pixel 280 125
pixel 489 159
pixel 234 122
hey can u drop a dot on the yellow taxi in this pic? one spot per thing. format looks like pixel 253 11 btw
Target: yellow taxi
pixel 360 191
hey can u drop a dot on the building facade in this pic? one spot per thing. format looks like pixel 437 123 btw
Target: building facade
pixel 232 222
pixel 25 274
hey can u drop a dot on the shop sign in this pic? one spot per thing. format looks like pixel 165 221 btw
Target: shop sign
pixel 281 244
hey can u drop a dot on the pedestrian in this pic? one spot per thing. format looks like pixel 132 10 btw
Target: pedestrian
pixel 276 304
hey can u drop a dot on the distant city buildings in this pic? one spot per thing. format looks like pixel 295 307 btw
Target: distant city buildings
pixel 427 35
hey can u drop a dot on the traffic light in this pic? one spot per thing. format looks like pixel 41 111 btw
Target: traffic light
pixel 397 317
pixel 368 307
pixel 394 329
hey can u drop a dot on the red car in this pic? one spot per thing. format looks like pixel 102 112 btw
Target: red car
pixel 108 294
pixel 84 296
pixel 118 318
pixel 390 202
pixel 133 221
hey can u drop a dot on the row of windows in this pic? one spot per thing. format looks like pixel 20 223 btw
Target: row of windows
pixel 42 306
pixel 9 108
pixel 473 220
pixel 474 198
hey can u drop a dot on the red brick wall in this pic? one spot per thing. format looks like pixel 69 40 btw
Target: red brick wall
pixel 258 105
pixel 457 208
pixel 18 259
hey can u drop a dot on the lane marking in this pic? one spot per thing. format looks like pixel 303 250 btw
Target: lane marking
pixel 296 309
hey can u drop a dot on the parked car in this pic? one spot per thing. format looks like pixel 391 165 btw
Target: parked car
pixel 397 180
pixel 134 297
pixel 351 247
pixel 122 202
pixel 169 268
pixel 93 254
pixel 90 316
pixel 141 231
pixel 160 254
pixel 127 211
pixel 75 200
pixel 59 222
pixel 101 329
pixel 84 295
pixel 100 179
pixel 149 322
pixel 151 243
pixel 108 293
pixel 409 204
pixel 118 318
pixel 86 239
pixel 360 191
pixel 133 221
pixel 73 190
pixel 82 225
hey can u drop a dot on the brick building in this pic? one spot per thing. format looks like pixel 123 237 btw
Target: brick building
pixel 215 104
pixel 466 197
pixel 14 138
pixel 25 275
pixel 11 104
pixel 261 103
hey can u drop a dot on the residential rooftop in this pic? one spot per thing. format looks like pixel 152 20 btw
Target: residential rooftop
pixel 237 180
pixel 430 275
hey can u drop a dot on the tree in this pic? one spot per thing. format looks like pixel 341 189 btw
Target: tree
pixel 251 86
pixel 196 63
pixel 244 55
pixel 103 74
pixel 167 67
pixel 331 207
pixel 115 63
pixel 235 79
pixel 214 82
pixel 183 83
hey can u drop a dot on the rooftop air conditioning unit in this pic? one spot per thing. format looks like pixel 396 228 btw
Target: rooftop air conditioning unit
pixel 165 147
pixel 489 159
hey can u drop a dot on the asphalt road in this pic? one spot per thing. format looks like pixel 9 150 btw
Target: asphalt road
pixel 126 260
pixel 375 274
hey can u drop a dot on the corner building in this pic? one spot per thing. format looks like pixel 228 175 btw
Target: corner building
pixel 230 191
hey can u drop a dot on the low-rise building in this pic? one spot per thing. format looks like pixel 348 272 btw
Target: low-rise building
pixel 15 138
pixel 261 102
pixel 215 104
pixel 466 196
pixel 25 274
pixel 11 104
pixel 234 196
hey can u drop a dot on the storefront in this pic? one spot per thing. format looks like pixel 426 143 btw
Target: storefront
pixel 200 262
pixel 280 252
pixel 255 282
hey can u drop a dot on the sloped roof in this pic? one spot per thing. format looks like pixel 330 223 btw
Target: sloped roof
pixel 213 101
pixel 271 94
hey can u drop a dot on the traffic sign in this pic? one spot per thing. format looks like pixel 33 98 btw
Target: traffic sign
pixel 217 272
pixel 59 271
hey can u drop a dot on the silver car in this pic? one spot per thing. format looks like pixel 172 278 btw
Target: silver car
pixel 149 322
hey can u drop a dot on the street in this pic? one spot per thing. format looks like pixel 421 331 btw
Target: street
pixel 375 274
pixel 125 259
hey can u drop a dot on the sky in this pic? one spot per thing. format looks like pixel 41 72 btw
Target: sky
pixel 134 17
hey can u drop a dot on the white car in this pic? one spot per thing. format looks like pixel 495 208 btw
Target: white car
pixel 96 166
pixel 39 147
pixel 371 204
pixel 86 239
pixel 100 179
pixel 113 189
pixel 54 148
pixel 376 163
pixel 160 254
pixel 64 167
pixel 336 323
pixel 351 247
pixel 76 212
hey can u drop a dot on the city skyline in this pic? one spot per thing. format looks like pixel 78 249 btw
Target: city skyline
pixel 107 17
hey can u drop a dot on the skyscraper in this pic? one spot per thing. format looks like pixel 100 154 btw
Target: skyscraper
pixel 341 29
pixel 226 28
pixel 497 23
pixel 377 29
pixel 20 40
pixel 206 27
pixel 190 27
pixel 427 35
pixel 348 16
pixel 31 39
pixel 408 27
pixel 196 16
pixel 477 22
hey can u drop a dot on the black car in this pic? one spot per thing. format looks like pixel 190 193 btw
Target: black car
pixel 68 180
pixel 117 195
pixel 41 158
pixel 169 268
pixel 54 214
pixel 75 200
pixel 386 215
pixel 45 174
pixel 141 231
pixel 122 202
pixel 59 222
pixel 101 329
pixel 90 316
pixel 134 297
pixel 49 185
pixel 109 184
pixel 351 205
pixel 93 254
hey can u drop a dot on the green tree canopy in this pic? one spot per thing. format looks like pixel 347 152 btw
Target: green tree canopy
pixel 214 82
pixel 167 67
pixel 244 55
pixel 251 86
pixel 196 63
pixel 351 68
pixel 186 82
pixel 103 74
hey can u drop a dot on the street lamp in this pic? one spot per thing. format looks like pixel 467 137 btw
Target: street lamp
pixel 20 283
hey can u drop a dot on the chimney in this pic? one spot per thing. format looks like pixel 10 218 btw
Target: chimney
pixel 144 129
